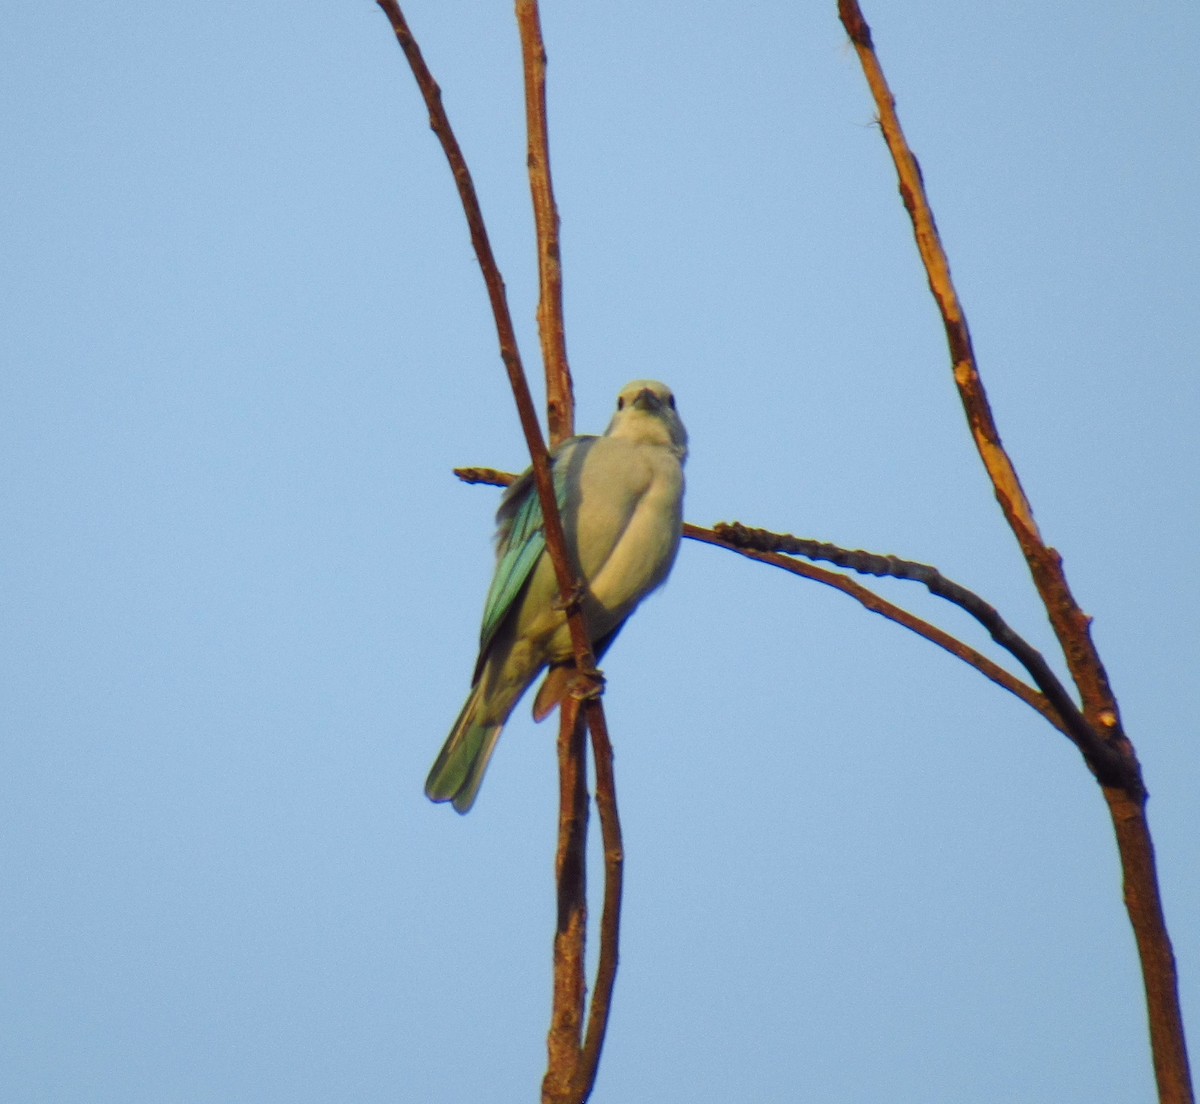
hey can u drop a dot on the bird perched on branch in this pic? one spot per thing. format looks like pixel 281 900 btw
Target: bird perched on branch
pixel 621 499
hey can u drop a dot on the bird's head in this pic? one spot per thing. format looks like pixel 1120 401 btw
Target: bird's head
pixel 646 412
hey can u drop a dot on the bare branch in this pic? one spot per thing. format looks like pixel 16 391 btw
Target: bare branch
pixel 873 602
pixel 571 1071
pixel 1134 842
pixel 1123 790
pixel 1072 627
pixel 859 593
pixel 610 917
pixel 1098 754
pixel 555 540
pixel 556 545
pixel 490 477
pixel 559 391
pixel 570 871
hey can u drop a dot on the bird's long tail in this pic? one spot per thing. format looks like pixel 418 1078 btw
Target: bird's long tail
pixel 458 772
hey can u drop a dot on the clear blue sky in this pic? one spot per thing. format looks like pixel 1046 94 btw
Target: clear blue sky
pixel 244 342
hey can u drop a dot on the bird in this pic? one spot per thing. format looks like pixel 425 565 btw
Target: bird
pixel 621 500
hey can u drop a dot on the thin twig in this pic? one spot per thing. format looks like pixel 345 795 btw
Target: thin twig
pixel 1072 627
pixel 867 598
pixel 488 477
pixel 1074 725
pixel 610 916
pixel 873 602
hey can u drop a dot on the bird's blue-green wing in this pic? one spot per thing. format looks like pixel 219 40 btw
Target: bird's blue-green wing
pixel 520 542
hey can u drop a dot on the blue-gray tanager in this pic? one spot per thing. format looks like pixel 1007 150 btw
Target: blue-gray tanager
pixel 621 498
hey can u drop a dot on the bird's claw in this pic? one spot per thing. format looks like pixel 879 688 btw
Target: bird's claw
pixel 586 685
pixel 571 601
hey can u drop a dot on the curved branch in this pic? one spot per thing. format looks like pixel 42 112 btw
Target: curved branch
pixel 873 602
pixel 569 587
pixel 1128 814
pixel 556 544
pixel 1111 768
pixel 610 916
pixel 1072 627
pixel 866 598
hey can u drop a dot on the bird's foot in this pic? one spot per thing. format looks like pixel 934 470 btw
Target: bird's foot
pixel 586 685
pixel 571 601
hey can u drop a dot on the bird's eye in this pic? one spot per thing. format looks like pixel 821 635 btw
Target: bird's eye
pixel 621 403
pixel 671 401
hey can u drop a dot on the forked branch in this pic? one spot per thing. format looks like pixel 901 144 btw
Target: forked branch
pixel 572 1063
pixel 1095 727
pixel 1124 793
pixel 574 1057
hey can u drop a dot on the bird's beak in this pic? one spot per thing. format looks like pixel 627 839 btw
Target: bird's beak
pixel 647 399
